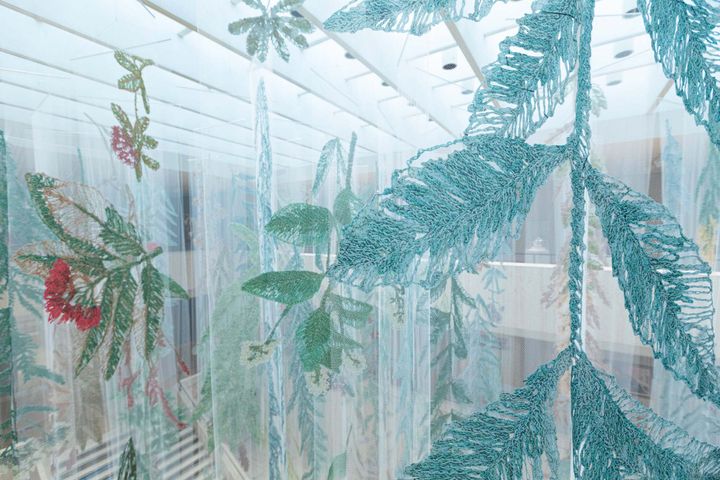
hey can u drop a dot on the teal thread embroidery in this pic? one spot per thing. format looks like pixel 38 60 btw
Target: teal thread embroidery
pixel 448 215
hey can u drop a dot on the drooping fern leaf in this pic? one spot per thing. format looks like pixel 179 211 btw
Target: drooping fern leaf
pixel 667 287
pixel 507 440
pixel 615 436
pixel 686 42
pixel 527 81
pixel 458 210
pixel 414 16
pixel 449 339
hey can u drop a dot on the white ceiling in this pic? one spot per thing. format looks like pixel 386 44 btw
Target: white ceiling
pixel 56 63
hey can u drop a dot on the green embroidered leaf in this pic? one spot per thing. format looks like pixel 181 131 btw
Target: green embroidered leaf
pixel 121 235
pixel 152 292
pixel 128 463
pixel 119 312
pixel 71 211
pixel 346 206
pixel 685 41
pixel 313 339
pixel 173 288
pixel 350 311
pixel 615 436
pixel 289 287
pixel 527 81
pixel 121 117
pixel 667 287
pixel 129 82
pixel 301 224
pixel 458 211
pixel 95 337
pixel 338 467
pixel 508 440
pixel 414 16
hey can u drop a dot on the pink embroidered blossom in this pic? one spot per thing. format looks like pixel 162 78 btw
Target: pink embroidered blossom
pixel 59 292
pixel 122 145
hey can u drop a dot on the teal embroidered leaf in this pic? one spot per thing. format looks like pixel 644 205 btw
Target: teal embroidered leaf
pixel 313 337
pixel 685 40
pixel 527 81
pixel 414 16
pixel 508 440
pixel 321 344
pixel 332 150
pixel 459 211
pixel 275 26
pixel 128 463
pixel 289 287
pixel 349 310
pixel 615 436
pixel 152 291
pixel 338 467
pixel 667 287
pixel 301 224
pixel 447 335
pixel 346 206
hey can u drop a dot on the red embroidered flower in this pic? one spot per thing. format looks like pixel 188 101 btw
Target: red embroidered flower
pixel 59 292
pixel 122 145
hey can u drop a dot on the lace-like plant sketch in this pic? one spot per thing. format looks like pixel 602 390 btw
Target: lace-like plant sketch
pixel 129 140
pixel 447 215
pixel 275 25
pixel 322 339
pixel 100 274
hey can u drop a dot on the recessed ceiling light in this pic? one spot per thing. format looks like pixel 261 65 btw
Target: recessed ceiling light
pixel 385 84
pixel 613 79
pixel 450 66
pixel 430 119
pixel 467 91
pixel 349 56
pixel 624 48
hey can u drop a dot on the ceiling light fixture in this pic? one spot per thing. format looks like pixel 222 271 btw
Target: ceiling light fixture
pixel 624 48
pixel 349 56
pixel 614 79
pixel 630 9
pixel 449 59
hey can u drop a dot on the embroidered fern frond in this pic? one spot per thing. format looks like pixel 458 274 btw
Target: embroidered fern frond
pixel 458 210
pixel 508 440
pixel 686 42
pixel 274 26
pixel 527 81
pixel 615 436
pixel 414 16
pixel 667 287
